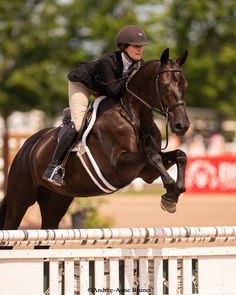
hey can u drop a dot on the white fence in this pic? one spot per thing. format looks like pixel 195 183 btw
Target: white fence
pixel 144 261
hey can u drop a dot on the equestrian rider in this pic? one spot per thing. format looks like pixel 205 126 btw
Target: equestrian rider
pixel 97 78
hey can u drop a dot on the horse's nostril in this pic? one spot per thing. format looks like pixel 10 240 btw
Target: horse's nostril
pixel 178 126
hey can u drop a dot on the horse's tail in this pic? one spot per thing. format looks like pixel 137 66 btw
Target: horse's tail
pixel 3 211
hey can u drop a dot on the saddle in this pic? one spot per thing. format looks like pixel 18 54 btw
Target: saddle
pixel 66 119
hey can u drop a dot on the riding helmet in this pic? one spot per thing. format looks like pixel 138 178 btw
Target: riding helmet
pixel 130 35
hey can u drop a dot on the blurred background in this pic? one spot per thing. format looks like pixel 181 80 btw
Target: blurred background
pixel 40 41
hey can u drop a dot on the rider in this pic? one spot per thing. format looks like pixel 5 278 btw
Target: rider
pixel 97 78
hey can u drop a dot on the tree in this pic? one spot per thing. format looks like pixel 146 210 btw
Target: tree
pixel 29 70
pixel 207 29
pixel 41 40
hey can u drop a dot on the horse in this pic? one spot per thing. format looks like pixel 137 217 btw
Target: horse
pixel 124 140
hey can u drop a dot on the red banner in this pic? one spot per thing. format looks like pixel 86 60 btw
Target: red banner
pixel 211 174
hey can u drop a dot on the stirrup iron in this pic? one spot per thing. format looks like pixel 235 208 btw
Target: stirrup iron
pixel 56 170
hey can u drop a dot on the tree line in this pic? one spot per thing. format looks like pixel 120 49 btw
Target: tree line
pixel 41 40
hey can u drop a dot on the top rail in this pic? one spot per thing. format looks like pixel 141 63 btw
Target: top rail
pixel 118 236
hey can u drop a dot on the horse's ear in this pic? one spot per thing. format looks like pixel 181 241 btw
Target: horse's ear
pixel 182 58
pixel 165 56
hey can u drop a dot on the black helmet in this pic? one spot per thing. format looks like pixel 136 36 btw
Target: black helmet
pixel 131 35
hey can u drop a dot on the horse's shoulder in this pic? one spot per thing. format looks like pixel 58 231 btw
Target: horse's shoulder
pixel 109 113
pixel 108 104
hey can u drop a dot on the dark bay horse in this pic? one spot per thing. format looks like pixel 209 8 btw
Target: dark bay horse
pixel 124 141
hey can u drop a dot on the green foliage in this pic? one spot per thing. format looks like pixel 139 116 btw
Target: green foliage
pixel 207 29
pixel 94 219
pixel 88 211
pixel 31 76
pixel 40 41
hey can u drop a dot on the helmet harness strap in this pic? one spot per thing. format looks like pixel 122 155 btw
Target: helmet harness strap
pixel 126 53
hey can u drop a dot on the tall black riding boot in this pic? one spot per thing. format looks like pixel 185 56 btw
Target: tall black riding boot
pixel 54 171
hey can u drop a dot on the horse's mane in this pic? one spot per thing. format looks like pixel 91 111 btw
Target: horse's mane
pixel 143 65
pixel 146 63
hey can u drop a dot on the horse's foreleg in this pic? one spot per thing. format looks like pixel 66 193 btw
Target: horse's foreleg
pixel 181 161
pixel 179 158
pixel 169 200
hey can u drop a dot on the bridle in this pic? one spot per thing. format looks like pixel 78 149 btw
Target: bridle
pixel 164 110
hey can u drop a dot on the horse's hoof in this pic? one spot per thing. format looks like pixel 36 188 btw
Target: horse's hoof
pixel 169 206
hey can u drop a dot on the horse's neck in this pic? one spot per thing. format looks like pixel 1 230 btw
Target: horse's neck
pixel 138 98
pixel 140 114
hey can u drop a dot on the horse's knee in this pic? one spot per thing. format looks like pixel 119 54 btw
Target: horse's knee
pixel 181 156
pixel 153 158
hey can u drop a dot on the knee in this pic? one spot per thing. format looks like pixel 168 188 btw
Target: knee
pixel 181 156
pixel 77 125
pixel 153 157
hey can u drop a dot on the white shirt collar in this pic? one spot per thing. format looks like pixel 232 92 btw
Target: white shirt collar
pixel 126 63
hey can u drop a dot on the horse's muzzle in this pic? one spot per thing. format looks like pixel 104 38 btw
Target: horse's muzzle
pixel 181 128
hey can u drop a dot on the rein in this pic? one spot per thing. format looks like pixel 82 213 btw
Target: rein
pixel 164 110
pixel 98 79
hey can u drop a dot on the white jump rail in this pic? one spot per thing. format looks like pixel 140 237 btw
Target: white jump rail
pixel 144 261
pixel 118 236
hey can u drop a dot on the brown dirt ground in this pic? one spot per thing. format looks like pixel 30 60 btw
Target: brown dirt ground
pixel 145 211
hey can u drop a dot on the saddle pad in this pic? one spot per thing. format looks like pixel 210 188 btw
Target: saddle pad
pixel 87 159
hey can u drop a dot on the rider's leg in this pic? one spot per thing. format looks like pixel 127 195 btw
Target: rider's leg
pixel 78 100
pixel 52 173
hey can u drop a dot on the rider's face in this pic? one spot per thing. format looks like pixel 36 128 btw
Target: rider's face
pixel 135 51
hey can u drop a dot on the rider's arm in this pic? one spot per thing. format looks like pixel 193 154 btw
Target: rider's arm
pixel 108 77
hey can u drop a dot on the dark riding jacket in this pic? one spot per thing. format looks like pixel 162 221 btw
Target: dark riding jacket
pixel 101 75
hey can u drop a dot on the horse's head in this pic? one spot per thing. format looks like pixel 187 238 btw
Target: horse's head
pixel 164 89
pixel 171 88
